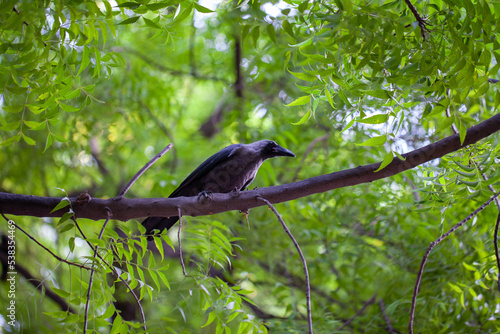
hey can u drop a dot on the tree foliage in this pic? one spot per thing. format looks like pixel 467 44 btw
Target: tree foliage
pixel 92 90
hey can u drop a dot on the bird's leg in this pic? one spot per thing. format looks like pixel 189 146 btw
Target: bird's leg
pixel 205 197
pixel 246 212
pixel 235 192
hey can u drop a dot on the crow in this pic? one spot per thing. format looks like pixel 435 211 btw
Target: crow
pixel 232 168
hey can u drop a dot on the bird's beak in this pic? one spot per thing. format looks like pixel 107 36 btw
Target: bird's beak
pixel 283 152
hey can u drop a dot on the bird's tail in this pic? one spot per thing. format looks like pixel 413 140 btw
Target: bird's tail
pixel 158 223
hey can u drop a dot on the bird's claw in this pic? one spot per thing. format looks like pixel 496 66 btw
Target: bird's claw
pixel 235 192
pixel 205 197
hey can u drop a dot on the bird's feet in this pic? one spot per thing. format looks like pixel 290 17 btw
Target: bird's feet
pixel 235 192
pixel 205 197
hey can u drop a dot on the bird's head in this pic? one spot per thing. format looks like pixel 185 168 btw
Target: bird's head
pixel 269 149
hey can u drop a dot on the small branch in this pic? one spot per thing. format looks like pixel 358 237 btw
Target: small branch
pixel 113 270
pixel 308 150
pixel 431 247
pixel 180 245
pixel 39 285
pixel 169 70
pixel 304 264
pixel 91 279
pixel 421 22
pixel 238 84
pixel 495 238
pixel 143 169
pixel 365 305
pixel 48 250
pixel 162 128
pixel 386 318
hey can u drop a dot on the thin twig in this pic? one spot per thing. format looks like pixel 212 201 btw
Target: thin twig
pixel 143 169
pixel 304 264
pixel 180 245
pixel 496 250
pixel 386 318
pixel 431 247
pixel 308 150
pixel 91 279
pixel 48 250
pixel 39 285
pixel 421 22
pixel 113 270
pixel 365 305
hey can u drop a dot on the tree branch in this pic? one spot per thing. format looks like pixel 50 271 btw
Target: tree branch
pixel 365 305
pixel 431 247
pixel 143 169
pixel 125 209
pixel 39 285
pixel 48 250
pixel 303 259
pixel 421 22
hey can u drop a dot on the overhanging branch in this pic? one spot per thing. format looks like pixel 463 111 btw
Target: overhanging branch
pixel 125 209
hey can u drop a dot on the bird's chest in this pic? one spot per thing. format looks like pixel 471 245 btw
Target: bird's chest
pixel 232 175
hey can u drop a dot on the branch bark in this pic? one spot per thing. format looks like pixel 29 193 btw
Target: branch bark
pixel 125 209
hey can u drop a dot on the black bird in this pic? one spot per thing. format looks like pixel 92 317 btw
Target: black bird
pixel 234 167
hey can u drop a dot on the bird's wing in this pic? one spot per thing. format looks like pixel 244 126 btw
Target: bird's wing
pixel 206 167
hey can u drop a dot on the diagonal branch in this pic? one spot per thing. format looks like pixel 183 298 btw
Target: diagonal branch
pixel 360 311
pixel 91 279
pixel 125 209
pixel 143 169
pixel 48 250
pixel 39 285
pixel 113 270
pixel 304 264
pixel 429 250
pixel 421 22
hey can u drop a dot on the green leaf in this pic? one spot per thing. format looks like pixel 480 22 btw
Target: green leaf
pixel 131 5
pixel 387 160
pixel 159 5
pixel 455 287
pixel 202 9
pixel 211 318
pixel 11 140
pixel 85 60
pixel 329 98
pixel 61 292
pixel 303 43
pixel 130 20
pixel 13 109
pixel 303 76
pixel 159 246
pixel 68 108
pixel 375 141
pixel 300 101
pixel 351 122
pixel 62 204
pixel 35 125
pixel 66 228
pixel 304 118
pixel 182 16
pixel 65 217
pixel 151 24
pixel 462 131
pixel 375 119
pixel 271 32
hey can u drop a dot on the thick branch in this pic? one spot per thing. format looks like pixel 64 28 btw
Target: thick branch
pixel 125 209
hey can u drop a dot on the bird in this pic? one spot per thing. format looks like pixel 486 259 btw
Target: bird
pixel 232 168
